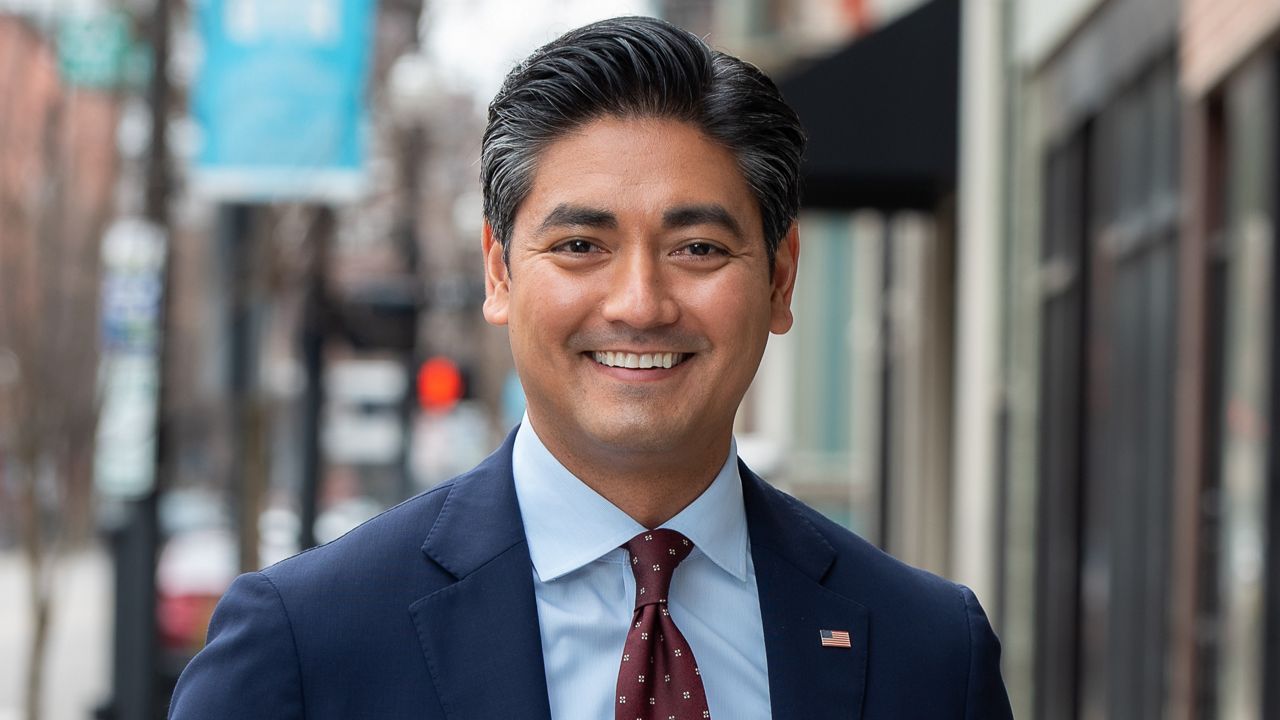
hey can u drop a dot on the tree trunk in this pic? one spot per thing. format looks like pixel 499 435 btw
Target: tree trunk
pixel 40 567
pixel 39 646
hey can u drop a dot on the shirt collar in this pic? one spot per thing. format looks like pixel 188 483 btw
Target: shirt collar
pixel 569 525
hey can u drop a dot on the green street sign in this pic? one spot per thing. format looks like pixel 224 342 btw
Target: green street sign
pixel 92 49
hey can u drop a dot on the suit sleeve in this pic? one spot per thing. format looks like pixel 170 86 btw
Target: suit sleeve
pixel 249 667
pixel 986 695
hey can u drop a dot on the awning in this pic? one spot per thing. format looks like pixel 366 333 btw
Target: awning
pixel 881 115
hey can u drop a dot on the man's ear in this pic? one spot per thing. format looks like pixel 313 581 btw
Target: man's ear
pixel 785 264
pixel 497 279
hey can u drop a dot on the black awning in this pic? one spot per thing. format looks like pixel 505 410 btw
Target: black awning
pixel 881 114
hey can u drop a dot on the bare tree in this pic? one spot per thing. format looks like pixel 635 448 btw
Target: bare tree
pixel 57 167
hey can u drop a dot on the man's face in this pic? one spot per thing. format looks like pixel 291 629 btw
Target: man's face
pixel 638 296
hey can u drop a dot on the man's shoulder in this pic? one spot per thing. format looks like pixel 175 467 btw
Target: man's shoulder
pixel 383 546
pixel 331 627
pixel 376 550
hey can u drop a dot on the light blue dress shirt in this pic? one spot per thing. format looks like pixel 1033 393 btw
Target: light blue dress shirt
pixel 585 590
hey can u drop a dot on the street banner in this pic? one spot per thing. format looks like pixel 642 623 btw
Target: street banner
pixel 279 99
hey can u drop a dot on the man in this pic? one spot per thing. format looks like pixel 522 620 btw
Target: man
pixel 613 559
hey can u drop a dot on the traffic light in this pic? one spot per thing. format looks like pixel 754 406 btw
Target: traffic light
pixel 440 384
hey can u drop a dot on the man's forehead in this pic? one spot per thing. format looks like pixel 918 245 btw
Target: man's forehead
pixel 668 168
pixel 682 215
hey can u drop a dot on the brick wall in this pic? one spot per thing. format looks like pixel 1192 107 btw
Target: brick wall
pixel 58 167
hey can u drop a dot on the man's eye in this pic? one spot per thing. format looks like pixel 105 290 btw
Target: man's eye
pixel 577 246
pixel 701 249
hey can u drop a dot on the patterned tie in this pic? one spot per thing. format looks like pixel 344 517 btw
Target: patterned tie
pixel 658 679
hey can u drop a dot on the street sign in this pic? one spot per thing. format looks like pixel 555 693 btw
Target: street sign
pixel 363 423
pixel 280 99
pixel 133 257
pixel 92 48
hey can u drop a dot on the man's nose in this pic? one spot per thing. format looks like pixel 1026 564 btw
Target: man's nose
pixel 640 293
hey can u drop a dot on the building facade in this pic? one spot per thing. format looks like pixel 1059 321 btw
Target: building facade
pixel 1056 379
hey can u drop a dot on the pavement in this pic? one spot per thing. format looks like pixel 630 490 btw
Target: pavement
pixel 78 675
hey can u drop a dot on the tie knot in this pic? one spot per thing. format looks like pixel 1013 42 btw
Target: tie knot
pixel 654 557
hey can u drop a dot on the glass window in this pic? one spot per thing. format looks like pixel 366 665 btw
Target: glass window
pixel 835 378
pixel 1250 107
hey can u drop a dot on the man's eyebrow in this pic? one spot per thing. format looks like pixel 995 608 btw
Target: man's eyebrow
pixel 566 215
pixel 683 216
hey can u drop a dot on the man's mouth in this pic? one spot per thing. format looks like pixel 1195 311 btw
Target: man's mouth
pixel 640 361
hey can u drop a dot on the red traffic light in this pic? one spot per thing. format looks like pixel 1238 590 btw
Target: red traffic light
pixel 439 384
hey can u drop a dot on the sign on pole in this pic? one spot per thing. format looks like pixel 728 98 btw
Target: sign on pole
pixel 280 99
pixel 133 257
pixel 93 47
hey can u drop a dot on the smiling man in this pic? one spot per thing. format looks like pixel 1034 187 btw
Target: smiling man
pixel 638 289
pixel 614 558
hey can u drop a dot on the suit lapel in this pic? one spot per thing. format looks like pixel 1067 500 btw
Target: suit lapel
pixel 480 634
pixel 481 638
pixel 791 559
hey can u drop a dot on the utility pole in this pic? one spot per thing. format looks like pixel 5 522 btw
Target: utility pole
pixel 315 329
pixel 237 225
pixel 135 538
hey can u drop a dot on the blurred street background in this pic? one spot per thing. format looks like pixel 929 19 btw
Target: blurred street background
pixel 1036 329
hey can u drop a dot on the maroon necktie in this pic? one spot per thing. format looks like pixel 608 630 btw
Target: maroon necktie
pixel 658 678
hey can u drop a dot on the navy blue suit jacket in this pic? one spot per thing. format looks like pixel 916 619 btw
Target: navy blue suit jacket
pixel 427 611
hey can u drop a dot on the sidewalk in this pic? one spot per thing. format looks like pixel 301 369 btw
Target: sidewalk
pixel 78 674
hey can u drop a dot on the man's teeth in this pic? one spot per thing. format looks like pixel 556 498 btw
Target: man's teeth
pixel 642 361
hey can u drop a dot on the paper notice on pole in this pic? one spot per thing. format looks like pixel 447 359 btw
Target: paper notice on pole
pixel 133 257
pixel 125 456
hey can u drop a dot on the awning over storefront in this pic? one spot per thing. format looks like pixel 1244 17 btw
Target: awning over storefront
pixel 882 114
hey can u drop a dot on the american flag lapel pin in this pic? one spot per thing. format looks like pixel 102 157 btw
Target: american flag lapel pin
pixel 835 638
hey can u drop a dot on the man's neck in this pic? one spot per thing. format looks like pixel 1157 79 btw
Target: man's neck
pixel 651 487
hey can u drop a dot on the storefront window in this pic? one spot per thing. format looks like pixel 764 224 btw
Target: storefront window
pixel 1246 360
pixel 834 375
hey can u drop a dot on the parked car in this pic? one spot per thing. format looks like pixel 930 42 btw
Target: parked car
pixel 197 564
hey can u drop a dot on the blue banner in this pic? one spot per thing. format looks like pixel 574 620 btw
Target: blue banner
pixel 280 99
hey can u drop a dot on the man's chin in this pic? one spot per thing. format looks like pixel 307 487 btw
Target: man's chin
pixel 638 435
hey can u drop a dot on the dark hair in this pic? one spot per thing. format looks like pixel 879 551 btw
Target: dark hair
pixel 641 67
